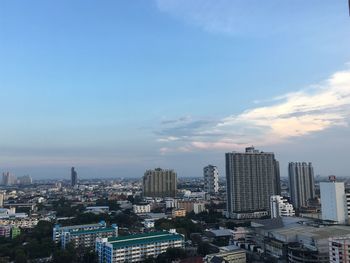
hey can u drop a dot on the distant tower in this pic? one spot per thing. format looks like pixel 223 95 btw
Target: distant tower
pixel 211 179
pixel 74 177
pixel 301 183
pixel 159 183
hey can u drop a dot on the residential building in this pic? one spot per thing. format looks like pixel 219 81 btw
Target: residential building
pixel 5 231
pixel 15 231
pixel 73 177
pixel 135 248
pixel 211 179
pixel 251 178
pixel 2 197
pixel 199 207
pixel 180 212
pixel 334 202
pixel 229 254
pixel 141 208
pixel 8 179
pixel 159 183
pixel 25 180
pixel 339 250
pixel 301 183
pixel 59 230
pixel 87 238
pixel 280 206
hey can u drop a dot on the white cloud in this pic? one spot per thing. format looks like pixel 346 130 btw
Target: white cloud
pixel 296 114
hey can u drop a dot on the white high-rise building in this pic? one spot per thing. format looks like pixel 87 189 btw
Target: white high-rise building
pixel 334 202
pixel 280 207
pixel 211 179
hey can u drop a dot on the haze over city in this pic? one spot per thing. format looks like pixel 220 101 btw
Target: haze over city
pixel 116 88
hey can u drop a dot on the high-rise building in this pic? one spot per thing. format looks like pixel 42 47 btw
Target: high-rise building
pixel 159 183
pixel 301 183
pixel 335 202
pixel 74 177
pixel 25 180
pixel 211 179
pixel 8 179
pixel 280 207
pixel 251 177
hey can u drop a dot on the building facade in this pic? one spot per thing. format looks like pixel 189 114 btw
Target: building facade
pixel 211 179
pixel 87 238
pixel 251 178
pixel 339 250
pixel 334 202
pixel 141 208
pixel 159 183
pixel 136 248
pixel 58 230
pixel 301 183
pixel 280 207
pixel 73 177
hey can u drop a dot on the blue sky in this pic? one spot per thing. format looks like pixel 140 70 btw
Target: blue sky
pixel 116 87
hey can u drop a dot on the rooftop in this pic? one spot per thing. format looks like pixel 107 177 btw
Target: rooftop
pixel 92 231
pixel 139 239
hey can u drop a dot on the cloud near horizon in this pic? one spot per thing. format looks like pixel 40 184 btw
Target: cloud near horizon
pixel 292 115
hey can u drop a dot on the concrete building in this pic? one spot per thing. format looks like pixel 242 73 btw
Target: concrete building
pixel 73 177
pixel 228 254
pixel 58 230
pixel 280 207
pixel 180 212
pixel 295 240
pixel 8 179
pixel 25 180
pixel 334 202
pixel 135 248
pixel 159 183
pixel 2 197
pixel 87 238
pixel 339 250
pixel 251 178
pixel 211 179
pixel 141 208
pixel 199 207
pixel 5 231
pixel 148 223
pixel 301 183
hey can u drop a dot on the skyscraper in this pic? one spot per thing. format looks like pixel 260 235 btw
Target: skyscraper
pixel 301 183
pixel 74 177
pixel 251 177
pixel 211 179
pixel 8 179
pixel 159 183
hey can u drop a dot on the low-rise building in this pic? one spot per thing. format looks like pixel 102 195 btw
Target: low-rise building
pixel 339 250
pixel 58 230
pixel 178 213
pixel 228 254
pixel 135 248
pixel 142 208
pixel 280 206
pixel 148 223
pixel 87 238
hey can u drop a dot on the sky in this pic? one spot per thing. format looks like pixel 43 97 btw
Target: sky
pixel 117 87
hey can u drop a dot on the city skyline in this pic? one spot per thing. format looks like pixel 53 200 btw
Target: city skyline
pixel 119 88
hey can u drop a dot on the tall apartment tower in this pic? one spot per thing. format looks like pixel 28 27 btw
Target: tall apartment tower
pixel 73 177
pixel 211 179
pixel 159 183
pixel 301 183
pixel 335 202
pixel 8 179
pixel 251 178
